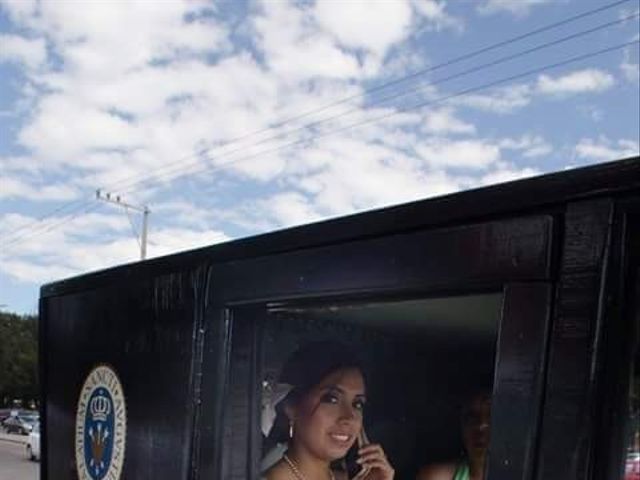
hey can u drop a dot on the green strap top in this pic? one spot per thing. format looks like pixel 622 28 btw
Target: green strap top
pixel 462 472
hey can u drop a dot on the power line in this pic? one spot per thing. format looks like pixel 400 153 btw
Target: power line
pixel 171 175
pixel 46 215
pixel 80 203
pixel 424 104
pixel 385 85
pixel 369 91
pixel 47 228
pixel 453 61
pixel 402 110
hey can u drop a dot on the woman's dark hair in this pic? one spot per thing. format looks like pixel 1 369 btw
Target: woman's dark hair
pixel 303 370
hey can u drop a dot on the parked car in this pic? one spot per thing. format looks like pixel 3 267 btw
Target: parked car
pixel 33 443
pixel 21 423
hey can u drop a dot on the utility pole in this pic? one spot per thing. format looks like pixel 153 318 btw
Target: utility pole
pixel 117 200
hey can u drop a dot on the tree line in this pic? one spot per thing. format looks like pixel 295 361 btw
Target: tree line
pixel 18 359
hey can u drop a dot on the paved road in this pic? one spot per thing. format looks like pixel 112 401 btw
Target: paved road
pixel 14 464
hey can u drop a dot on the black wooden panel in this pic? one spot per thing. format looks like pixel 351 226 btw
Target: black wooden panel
pixel 146 330
pixel 240 412
pixel 42 375
pixel 518 382
pixel 215 368
pixel 569 416
pixel 517 198
pixel 621 332
pixel 483 253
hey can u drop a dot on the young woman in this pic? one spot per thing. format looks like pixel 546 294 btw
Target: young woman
pixel 476 416
pixel 320 419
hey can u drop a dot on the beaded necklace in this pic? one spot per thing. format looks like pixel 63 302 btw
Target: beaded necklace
pixel 296 471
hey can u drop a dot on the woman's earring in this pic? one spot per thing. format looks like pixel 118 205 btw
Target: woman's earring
pixel 290 428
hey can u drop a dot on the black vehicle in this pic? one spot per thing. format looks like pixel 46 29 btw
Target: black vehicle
pixel 530 290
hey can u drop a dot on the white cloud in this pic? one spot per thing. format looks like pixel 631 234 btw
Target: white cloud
pixel 94 129
pixel 186 213
pixel 74 249
pixel 589 80
pixel 509 99
pixel 19 10
pixel 160 130
pixel 171 240
pixel 401 63
pixel 294 47
pixel 631 71
pixel 502 100
pixel 123 114
pixel 515 7
pixel 443 121
pixel 29 271
pixel 531 146
pixel 350 174
pixel 17 188
pixel 435 12
pixel 25 164
pixel 114 221
pixel 30 52
pixel 289 209
pixel 362 24
pixel 22 232
pixel 603 149
pixel 374 175
pixel 507 173
pixel 90 35
pixel 473 154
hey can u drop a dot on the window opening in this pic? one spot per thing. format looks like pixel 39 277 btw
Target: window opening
pixel 421 360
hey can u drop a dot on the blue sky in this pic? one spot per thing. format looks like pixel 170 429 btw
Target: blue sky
pixel 229 119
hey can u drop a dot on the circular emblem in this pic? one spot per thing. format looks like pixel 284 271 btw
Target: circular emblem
pixel 101 426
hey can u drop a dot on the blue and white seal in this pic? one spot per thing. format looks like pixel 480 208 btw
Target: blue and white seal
pixel 101 426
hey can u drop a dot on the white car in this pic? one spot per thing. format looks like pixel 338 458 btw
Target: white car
pixel 33 443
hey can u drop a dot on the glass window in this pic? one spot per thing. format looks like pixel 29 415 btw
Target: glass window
pixel 421 362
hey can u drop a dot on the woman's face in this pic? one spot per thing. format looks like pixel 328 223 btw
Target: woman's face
pixel 475 424
pixel 328 419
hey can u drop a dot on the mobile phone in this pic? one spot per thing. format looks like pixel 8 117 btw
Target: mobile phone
pixel 362 438
pixel 351 464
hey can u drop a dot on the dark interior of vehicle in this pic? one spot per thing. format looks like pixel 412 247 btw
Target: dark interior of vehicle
pixel 422 358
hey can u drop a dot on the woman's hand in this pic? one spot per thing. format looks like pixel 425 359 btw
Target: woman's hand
pixel 374 463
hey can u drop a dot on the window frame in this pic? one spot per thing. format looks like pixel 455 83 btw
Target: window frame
pixel 513 256
pixel 622 332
